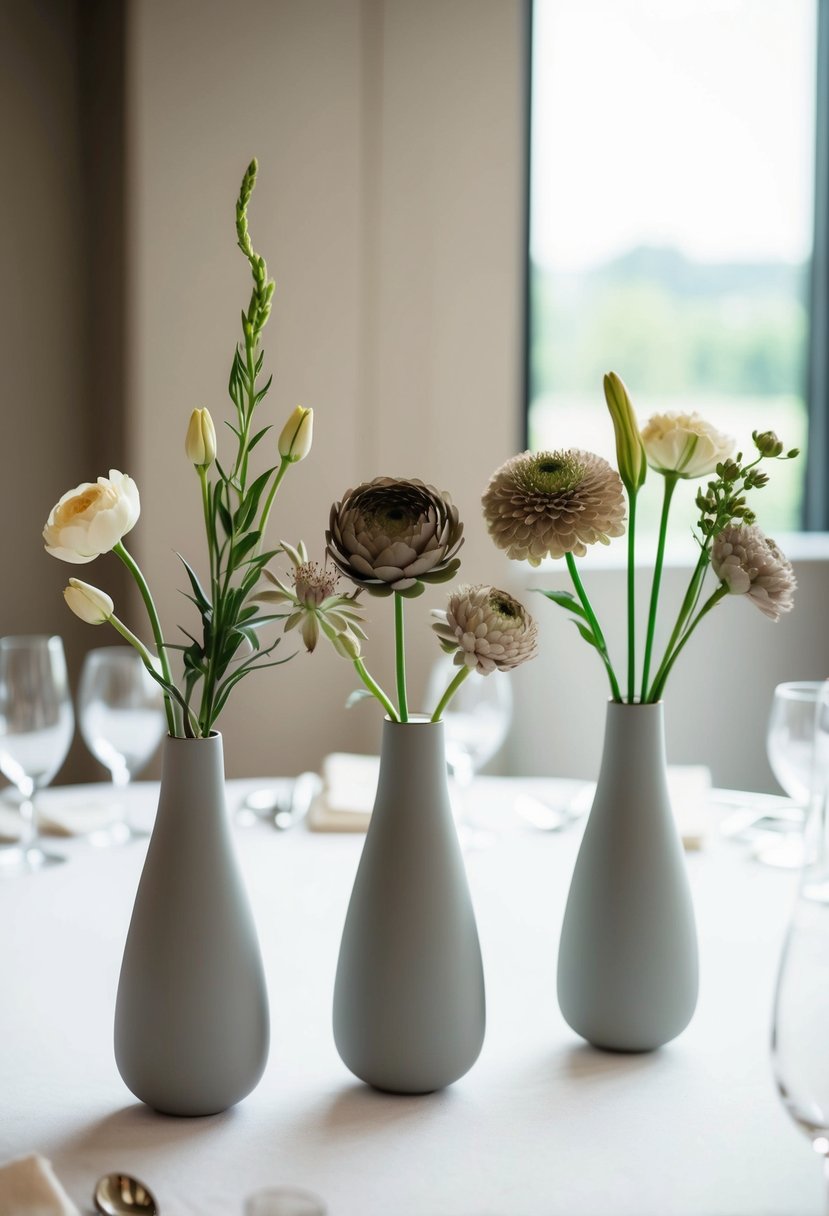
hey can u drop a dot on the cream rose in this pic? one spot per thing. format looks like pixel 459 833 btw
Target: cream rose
pixel 89 603
pixel 684 444
pixel 92 518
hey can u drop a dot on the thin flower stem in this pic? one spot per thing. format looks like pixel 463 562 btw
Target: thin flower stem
pixel 686 611
pixel 670 486
pixel 400 649
pixel 453 687
pixel 282 470
pixel 594 625
pixel 632 599
pixel 144 653
pixel 208 522
pixel 375 689
pixel 132 565
pixel 711 602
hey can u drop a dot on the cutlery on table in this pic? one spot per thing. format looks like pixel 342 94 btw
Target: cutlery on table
pixel 122 1195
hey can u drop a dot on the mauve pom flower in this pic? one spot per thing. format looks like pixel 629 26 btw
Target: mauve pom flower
pixel 392 534
pixel 749 563
pixel 486 629
pixel 544 504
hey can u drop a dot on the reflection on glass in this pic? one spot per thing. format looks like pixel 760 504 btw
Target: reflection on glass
pixel 36 728
pixel 800 1046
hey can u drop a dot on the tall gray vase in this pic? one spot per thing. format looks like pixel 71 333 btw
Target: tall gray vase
pixel 191 1016
pixel 409 1005
pixel 627 966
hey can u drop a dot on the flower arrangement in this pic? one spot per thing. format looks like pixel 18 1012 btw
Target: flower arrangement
pixel 94 518
pixel 556 504
pixel 390 537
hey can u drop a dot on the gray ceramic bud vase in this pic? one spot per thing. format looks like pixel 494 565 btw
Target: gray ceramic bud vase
pixel 627 967
pixel 191 1017
pixel 409 1004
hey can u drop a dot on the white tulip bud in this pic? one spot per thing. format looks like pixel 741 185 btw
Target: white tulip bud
pixel 200 441
pixel 297 434
pixel 88 602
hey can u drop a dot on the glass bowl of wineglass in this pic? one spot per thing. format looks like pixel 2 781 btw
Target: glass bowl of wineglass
pixel 476 725
pixel 799 1046
pixel 121 715
pixel 36 729
pixel 790 745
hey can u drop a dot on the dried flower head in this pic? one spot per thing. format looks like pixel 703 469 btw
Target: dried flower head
pixel 315 604
pixel 391 534
pixel 486 629
pixel 543 504
pixel 749 563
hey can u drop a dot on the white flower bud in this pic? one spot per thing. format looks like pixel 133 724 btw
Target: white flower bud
pixel 200 441
pixel 88 602
pixel 297 434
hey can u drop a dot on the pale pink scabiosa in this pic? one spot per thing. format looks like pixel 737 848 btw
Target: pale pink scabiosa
pixel 315 605
pixel 747 562
pixel 547 504
pixel 486 629
pixel 393 534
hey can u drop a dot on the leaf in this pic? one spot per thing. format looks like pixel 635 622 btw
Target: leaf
pixel 202 601
pixel 259 435
pixel 224 516
pixel 588 635
pixel 564 599
pixel 244 547
pixel 358 695
pixel 262 391
pixel 245 515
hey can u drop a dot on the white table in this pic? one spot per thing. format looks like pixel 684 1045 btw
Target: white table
pixel 541 1126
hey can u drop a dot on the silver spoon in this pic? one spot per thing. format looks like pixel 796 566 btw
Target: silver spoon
pixel 121 1195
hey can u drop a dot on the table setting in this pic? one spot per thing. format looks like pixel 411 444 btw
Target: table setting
pixel 401 985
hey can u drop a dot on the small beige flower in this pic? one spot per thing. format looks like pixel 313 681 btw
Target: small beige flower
pixel 92 518
pixel 393 534
pixel 749 563
pixel 200 440
pixel 486 629
pixel 544 504
pixel 684 444
pixel 315 605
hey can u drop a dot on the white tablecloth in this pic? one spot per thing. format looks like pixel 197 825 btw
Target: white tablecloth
pixel 541 1126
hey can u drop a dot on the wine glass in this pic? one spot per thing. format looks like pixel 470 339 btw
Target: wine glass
pixel 122 721
pixel 476 724
pixel 36 729
pixel 800 1053
pixel 790 743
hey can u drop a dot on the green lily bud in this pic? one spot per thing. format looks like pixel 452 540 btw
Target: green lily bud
pixel 630 451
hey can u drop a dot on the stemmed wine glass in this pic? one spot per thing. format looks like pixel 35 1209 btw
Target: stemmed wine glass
pixel 476 724
pixel 789 745
pixel 36 729
pixel 800 1052
pixel 121 712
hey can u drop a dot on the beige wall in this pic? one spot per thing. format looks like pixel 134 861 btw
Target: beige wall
pixel 389 207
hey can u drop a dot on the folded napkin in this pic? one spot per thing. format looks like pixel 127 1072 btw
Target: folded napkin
pixel 344 803
pixel 28 1187
pixel 70 815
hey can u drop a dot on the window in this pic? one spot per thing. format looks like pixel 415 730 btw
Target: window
pixel 671 221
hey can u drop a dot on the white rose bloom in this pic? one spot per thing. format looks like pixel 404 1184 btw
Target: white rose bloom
pixel 88 602
pixel 684 444
pixel 92 518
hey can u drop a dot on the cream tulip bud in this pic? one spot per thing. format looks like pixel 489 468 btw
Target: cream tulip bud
pixel 630 451
pixel 88 602
pixel 297 434
pixel 200 441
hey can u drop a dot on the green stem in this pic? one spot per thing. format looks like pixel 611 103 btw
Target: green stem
pixel 686 611
pixel 659 683
pixel 132 565
pixel 670 485
pixel 450 692
pixel 282 470
pixel 632 599
pixel 146 657
pixel 400 651
pixel 594 625
pixel 208 522
pixel 375 689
